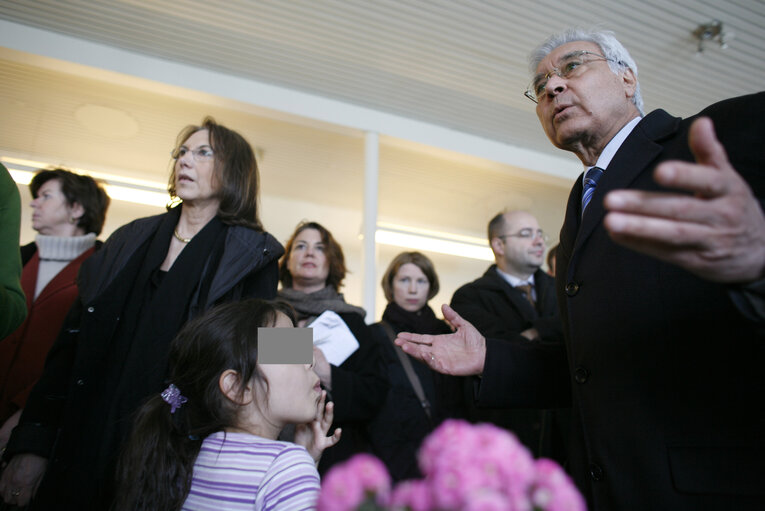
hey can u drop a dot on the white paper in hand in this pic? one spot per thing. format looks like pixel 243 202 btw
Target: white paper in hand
pixel 333 337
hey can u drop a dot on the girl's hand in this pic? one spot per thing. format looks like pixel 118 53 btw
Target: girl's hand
pixel 313 436
pixel 322 368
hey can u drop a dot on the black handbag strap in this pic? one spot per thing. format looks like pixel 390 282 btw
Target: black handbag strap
pixel 409 370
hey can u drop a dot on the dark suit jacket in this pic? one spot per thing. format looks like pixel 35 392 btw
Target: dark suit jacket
pixel 667 374
pixel 500 311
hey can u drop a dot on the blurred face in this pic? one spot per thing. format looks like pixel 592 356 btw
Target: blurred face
pixel 293 389
pixel 52 214
pixel 195 180
pixel 308 262
pixel 516 253
pixel 587 109
pixel 410 288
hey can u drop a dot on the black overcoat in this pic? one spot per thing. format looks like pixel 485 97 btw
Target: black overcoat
pixel 666 372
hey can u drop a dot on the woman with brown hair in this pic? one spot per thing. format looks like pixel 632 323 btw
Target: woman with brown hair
pixel 135 294
pixel 312 271
pixel 69 212
pixel 418 398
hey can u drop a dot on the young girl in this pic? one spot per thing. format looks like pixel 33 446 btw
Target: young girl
pixel 208 441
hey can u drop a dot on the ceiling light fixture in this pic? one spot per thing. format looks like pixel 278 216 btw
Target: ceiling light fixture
pixel 138 191
pixel 433 241
pixel 712 31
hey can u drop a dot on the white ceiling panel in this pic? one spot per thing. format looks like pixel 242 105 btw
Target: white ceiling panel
pixel 459 65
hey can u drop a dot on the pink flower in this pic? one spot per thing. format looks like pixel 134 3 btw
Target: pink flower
pixel 553 489
pixel 340 491
pixel 488 501
pixel 371 473
pixel 458 459
pixel 451 484
pixel 414 495
pixel 347 485
pixel 507 464
pixel 451 433
pixel 466 468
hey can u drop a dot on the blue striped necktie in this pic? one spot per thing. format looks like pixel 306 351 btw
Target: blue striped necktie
pixel 590 182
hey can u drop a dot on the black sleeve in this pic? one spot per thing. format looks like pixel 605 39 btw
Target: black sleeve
pixel 524 375
pixel 39 423
pixel 359 384
pixel 749 298
pixel 262 283
pixel 550 329
pixel 480 311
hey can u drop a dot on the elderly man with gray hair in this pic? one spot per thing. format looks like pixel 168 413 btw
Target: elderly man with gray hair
pixel 661 286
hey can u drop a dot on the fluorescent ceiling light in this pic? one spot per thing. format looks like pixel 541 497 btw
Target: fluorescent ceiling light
pixel 138 191
pixel 433 241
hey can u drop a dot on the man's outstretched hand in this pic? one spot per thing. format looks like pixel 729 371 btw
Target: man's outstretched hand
pixel 718 233
pixel 461 353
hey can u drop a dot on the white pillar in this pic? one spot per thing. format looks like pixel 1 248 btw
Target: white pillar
pixel 371 172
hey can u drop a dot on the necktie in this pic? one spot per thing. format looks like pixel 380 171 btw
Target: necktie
pixel 526 288
pixel 590 182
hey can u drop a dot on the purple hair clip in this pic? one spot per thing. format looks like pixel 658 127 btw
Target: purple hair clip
pixel 172 396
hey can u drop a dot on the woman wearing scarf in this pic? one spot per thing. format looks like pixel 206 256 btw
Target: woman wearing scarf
pixel 148 279
pixel 311 273
pixel 418 399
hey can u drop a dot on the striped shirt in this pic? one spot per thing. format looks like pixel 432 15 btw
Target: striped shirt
pixel 236 471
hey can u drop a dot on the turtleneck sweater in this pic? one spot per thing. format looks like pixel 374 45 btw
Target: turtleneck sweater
pixel 56 252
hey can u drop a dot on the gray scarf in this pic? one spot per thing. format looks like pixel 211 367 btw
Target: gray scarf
pixel 313 304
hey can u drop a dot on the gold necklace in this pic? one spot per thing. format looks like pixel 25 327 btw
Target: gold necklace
pixel 179 237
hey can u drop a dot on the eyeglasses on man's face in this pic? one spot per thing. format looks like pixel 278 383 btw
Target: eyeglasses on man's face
pixel 203 153
pixel 527 234
pixel 569 67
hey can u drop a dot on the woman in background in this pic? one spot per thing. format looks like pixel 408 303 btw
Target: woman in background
pixel 208 441
pixel 418 399
pixel 135 294
pixel 69 212
pixel 312 271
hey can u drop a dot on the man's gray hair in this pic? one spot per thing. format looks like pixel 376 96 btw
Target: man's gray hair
pixel 619 57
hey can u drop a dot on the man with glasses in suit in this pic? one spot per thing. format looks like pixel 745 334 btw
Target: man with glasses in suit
pixel 515 301
pixel 661 287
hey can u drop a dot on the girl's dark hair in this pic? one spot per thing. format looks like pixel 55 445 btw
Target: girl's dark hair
pixel 332 250
pixel 236 172
pixel 157 463
pixel 79 188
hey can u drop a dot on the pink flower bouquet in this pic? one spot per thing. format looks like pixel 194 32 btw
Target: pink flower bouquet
pixel 466 468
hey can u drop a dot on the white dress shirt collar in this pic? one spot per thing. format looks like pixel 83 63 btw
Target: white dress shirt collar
pixel 613 146
pixel 515 281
